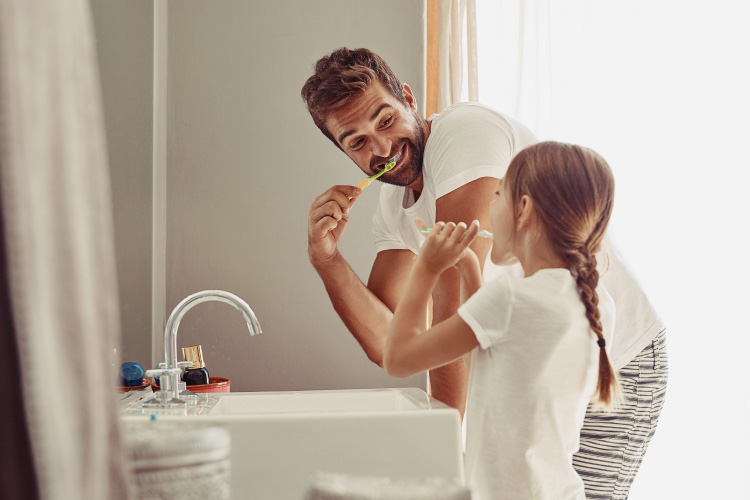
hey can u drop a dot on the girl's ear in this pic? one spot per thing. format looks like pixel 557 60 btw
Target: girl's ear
pixel 525 211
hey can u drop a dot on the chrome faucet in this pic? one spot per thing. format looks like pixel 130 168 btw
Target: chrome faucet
pixel 169 395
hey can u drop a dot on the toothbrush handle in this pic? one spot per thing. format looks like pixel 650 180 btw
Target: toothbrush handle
pixel 364 183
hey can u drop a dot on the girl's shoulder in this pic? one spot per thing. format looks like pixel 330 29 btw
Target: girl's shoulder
pixel 546 289
pixel 545 281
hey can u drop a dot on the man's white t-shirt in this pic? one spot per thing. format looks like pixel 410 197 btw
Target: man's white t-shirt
pixel 469 141
pixel 531 379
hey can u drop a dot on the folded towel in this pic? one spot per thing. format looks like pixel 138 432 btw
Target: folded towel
pixel 343 487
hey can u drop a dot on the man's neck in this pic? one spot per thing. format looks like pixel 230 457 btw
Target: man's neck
pixel 418 184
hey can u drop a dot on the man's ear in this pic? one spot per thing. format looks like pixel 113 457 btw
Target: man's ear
pixel 525 211
pixel 409 96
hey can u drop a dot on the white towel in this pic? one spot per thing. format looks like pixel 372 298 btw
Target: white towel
pixel 344 487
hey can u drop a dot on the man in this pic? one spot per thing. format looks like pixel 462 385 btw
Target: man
pixel 447 169
pixel 360 105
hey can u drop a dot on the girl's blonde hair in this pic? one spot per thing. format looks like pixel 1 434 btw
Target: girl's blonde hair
pixel 573 191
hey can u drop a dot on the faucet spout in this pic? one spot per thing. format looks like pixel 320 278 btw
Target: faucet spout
pixel 173 323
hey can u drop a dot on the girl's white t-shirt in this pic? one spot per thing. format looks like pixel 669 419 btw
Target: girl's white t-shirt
pixel 531 379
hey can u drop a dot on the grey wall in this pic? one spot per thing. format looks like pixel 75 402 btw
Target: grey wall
pixel 244 162
pixel 125 44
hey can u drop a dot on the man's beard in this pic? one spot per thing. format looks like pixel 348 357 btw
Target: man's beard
pixel 411 166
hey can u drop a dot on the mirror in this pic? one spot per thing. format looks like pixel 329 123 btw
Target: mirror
pixel 214 163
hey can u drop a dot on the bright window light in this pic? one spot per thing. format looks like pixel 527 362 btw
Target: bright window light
pixel 662 90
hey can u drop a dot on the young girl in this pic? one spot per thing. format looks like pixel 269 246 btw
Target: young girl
pixel 541 338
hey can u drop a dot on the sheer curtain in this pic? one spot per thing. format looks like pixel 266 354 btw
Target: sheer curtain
pixel 457 52
pixel 662 90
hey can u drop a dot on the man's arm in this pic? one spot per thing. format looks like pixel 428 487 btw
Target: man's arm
pixel 368 310
pixel 365 310
pixel 465 204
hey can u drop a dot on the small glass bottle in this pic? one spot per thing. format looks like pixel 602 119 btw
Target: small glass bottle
pixel 196 374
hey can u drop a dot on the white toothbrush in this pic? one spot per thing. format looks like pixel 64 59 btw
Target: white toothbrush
pixel 482 233
pixel 424 229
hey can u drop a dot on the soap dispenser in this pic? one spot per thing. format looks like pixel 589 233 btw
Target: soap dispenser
pixel 196 374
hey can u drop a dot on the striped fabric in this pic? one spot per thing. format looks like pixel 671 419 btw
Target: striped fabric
pixel 613 444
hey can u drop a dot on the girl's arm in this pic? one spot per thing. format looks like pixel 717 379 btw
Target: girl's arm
pixel 409 349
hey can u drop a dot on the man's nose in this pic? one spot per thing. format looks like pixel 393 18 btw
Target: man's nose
pixel 381 146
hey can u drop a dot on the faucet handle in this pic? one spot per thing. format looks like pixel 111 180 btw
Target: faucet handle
pixel 158 372
pixel 182 392
pixel 162 366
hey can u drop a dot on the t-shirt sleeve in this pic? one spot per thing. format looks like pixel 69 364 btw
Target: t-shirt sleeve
pixel 387 221
pixel 488 311
pixel 384 237
pixel 468 143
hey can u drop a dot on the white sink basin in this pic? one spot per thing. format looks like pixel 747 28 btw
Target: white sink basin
pixel 280 440
pixel 322 401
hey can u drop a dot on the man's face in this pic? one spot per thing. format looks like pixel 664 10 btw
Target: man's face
pixel 376 128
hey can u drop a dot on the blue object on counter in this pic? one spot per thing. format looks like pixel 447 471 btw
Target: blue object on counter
pixel 131 374
pixel 156 379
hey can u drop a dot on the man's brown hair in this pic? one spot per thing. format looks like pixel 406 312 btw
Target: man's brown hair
pixel 341 77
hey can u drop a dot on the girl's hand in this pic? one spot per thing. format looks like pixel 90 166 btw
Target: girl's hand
pixel 446 245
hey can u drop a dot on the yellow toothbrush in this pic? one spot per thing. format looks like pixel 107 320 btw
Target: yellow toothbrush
pixel 366 182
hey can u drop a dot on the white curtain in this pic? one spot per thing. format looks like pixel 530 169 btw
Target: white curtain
pixel 58 230
pixel 516 50
pixel 661 89
pixel 457 51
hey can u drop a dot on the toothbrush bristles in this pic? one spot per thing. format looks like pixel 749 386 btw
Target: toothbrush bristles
pixel 366 182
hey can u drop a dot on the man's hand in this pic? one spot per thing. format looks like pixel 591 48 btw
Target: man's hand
pixel 327 220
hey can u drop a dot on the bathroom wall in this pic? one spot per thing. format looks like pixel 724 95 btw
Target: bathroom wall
pixel 243 163
pixel 125 43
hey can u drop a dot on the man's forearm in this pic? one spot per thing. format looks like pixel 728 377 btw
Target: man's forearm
pixel 448 383
pixel 363 313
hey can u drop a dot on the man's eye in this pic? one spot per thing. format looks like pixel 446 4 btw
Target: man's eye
pixel 387 121
pixel 356 144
